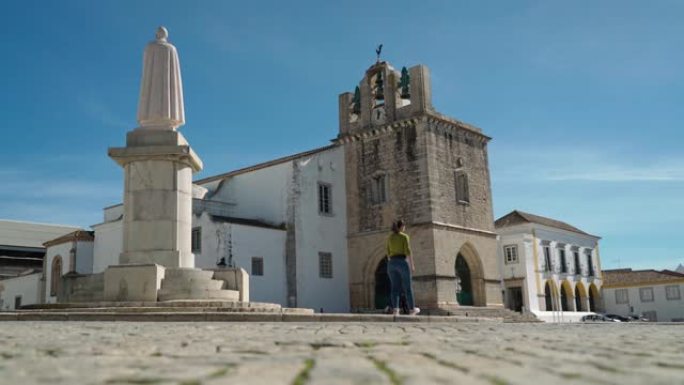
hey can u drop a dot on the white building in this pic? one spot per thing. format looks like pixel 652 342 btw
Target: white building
pixel 22 259
pixel 548 266
pixel 655 295
pixel 283 221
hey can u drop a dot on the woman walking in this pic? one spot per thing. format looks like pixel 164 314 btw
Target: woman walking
pixel 399 268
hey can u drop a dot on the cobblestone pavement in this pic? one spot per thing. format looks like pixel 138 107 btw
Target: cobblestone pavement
pixel 339 353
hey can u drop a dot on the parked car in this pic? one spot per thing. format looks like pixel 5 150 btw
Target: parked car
pixel 617 317
pixel 597 318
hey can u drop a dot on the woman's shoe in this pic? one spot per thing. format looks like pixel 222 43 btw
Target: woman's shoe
pixel 415 311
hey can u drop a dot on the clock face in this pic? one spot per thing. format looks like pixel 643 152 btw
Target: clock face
pixel 378 115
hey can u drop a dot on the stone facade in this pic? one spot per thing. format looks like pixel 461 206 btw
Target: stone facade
pixel 404 160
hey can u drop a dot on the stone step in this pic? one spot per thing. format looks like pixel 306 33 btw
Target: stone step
pixel 191 284
pixel 182 273
pixel 171 294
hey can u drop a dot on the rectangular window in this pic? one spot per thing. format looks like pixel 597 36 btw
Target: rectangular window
pixel 462 195
pixel 196 240
pixel 578 269
pixel 672 292
pixel 547 259
pixel 379 189
pixel 325 268
pixel 621 296
pixel 563 264
pixel 511 254
pixel 646 294
pixel 324 199
pixel 258 266
pixel 590 265
pixel 17 302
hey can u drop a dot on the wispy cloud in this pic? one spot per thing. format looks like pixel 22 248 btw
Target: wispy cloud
pixel 572 163
pixel 102 113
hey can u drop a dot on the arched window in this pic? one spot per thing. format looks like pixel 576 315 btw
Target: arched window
pixel 56 275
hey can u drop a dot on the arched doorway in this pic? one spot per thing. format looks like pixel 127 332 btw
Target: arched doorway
pixel 564 299
pixel 56 276
pixel 464 293
pixel 548 300
pixel 593 298
pixel 580 297
pixel 382 285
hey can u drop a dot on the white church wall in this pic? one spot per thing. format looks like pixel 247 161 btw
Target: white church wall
pixel 259 194
pixel 84 257
pixel 108 244
pixel 27 287
pixel 239 244
pixel 321 233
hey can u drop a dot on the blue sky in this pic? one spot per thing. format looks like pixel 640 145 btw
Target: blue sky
pixel 583 98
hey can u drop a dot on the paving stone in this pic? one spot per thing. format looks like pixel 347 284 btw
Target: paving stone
pixel 53 352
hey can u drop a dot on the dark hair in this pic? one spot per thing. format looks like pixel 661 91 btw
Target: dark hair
pixel 396 226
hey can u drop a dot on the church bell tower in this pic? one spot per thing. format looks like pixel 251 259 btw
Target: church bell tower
pixel 404 160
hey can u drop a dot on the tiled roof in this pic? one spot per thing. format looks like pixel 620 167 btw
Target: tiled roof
pixel 629 277
pixel 263 165
pixel 516 217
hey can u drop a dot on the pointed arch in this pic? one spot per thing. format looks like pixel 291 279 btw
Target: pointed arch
pixel 375 257
pixel 470 258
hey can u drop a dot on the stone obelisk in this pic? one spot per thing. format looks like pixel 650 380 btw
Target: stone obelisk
pixel 158 166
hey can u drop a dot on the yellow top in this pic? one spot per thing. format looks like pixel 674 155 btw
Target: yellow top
pixel 398 244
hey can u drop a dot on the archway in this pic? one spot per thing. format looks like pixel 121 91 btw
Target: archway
pixel 550 296
pixel 56 276
pixel 564 298
pixel 470 290
pixel 382 285
pixel 580 297
pixel 464 295
pixel 594 297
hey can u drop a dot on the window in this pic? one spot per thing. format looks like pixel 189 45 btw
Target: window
pixel 379 189
pixel 462 195
pixel 56 276
pixel 511 254
pixel 650 315
pixel 17 302
pixel 196 240
pixel 578 269
pixel 621 296
pixel 563 265
pixel 324 198
pixel 547 259
pixel 590 264
pixel 325 269
pixel 258 266
pixel 672 292
pixel 646 294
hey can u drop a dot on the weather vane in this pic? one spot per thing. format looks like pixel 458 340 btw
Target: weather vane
pixel 378 51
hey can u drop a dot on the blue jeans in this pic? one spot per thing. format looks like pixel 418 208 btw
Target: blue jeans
pixel 400 282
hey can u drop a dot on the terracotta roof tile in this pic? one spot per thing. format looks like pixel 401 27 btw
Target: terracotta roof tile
pixel 629 277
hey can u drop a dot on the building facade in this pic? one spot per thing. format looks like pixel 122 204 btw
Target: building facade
pixel 654 295
pixel 406 161
pixel 548 265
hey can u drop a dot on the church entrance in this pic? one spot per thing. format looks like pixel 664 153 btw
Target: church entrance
pixel 464 294
pixel 382 285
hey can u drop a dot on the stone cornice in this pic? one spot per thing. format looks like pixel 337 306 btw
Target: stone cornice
pixel 372 132
pixel 183 154
pixel 444 123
